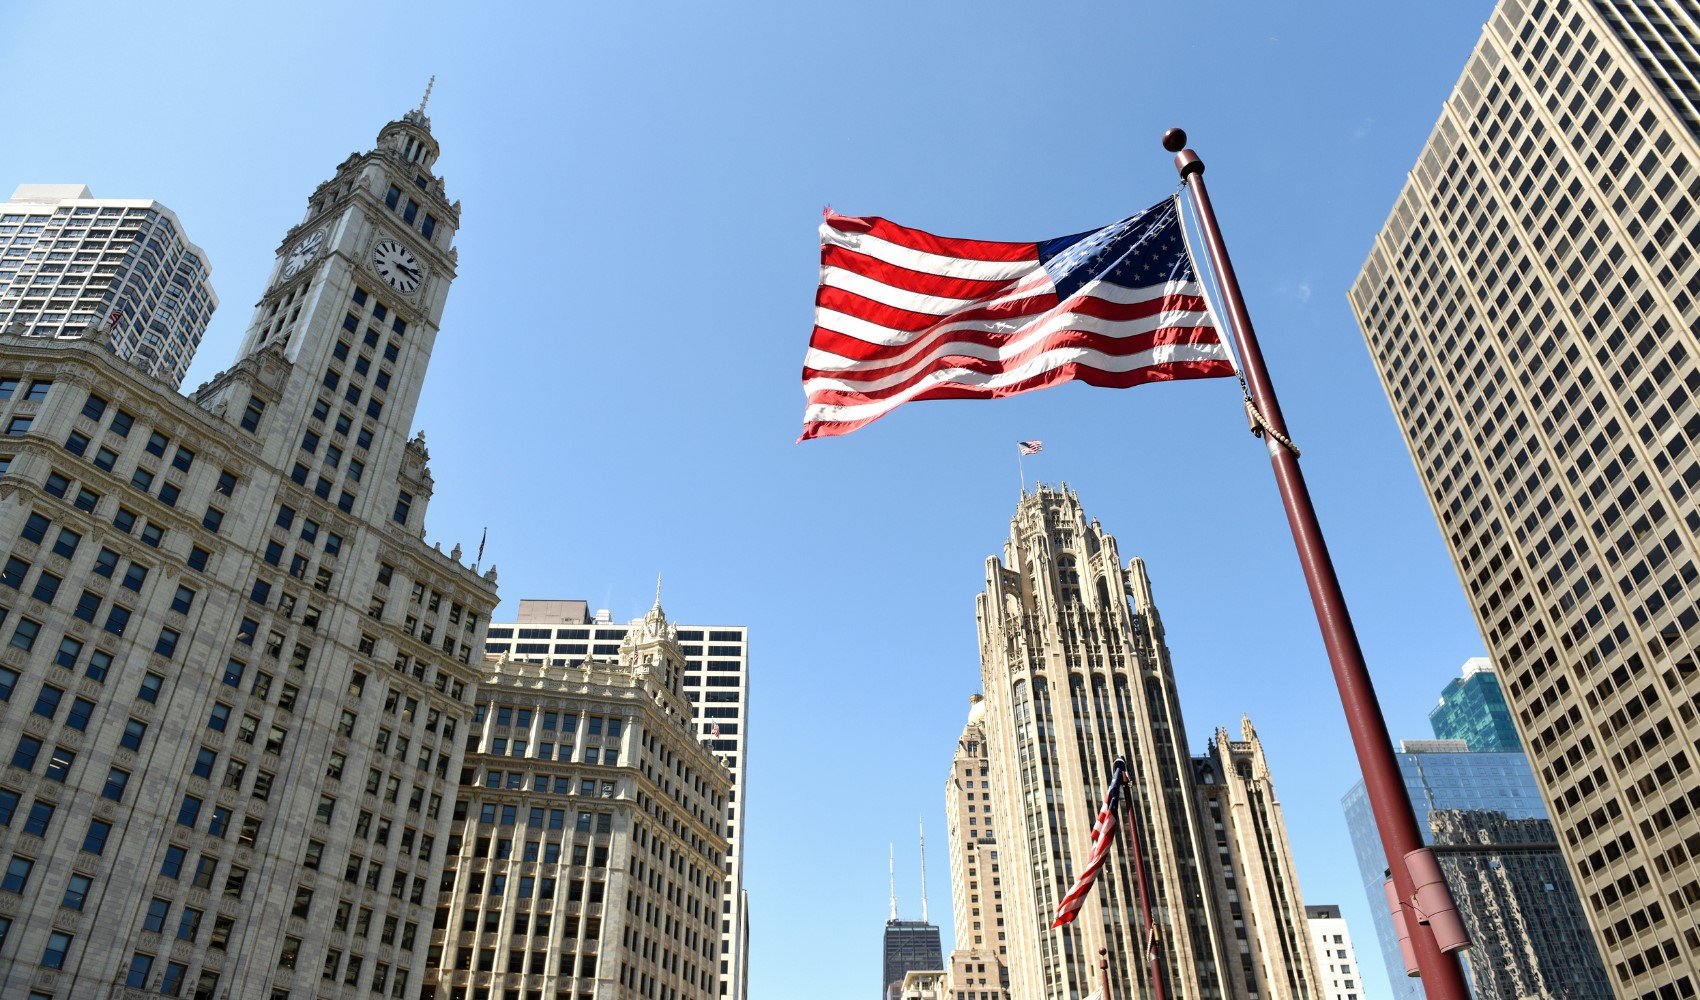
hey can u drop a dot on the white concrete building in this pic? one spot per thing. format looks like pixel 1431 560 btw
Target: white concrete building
pixel 1336 962
pixel 69 261
pixel 717 684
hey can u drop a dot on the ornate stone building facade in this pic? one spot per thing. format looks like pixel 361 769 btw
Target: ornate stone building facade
pixel 236 681
pixel 1257 886
pixel 1531 304
pixel 717 685
pixel 977 969
pixel 1075 673
pixel 589 846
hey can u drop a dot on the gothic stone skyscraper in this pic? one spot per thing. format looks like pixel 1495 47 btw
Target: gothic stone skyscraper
pixel 234 689
pixel 1531 305
pixel 1256 882
pixel 1075 671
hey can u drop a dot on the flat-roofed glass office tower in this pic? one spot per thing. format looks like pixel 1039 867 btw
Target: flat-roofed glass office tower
pixel 1531 305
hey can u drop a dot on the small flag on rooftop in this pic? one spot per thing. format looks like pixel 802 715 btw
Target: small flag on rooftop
pixel 902 314
pixel 1029 448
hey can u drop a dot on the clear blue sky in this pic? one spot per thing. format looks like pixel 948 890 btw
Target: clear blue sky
pixel 615 391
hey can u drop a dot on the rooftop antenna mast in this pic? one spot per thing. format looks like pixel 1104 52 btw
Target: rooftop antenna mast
pixel 427 98
pixel 923 827
pixel 891 869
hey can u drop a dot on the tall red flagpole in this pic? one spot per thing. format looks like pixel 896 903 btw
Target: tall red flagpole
pixel 1443 978
pixel 1150 940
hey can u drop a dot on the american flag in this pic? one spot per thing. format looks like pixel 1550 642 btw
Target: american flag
pixel 901 314
pixel 1030 447
pixel 1103 832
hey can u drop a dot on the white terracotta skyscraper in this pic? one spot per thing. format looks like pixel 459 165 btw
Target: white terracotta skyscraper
pixel 236 682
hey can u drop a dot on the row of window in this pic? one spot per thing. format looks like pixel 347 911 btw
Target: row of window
pixel 410 211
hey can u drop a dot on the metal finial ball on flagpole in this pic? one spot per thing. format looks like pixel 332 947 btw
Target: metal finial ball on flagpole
pixel 1174 140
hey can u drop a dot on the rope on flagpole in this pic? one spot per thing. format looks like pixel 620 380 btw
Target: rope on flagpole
pixel 1207 280
pixel 1260 427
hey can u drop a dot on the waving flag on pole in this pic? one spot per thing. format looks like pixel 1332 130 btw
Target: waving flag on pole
pixel 1103 831
pixel 1030 448
pixel 901 315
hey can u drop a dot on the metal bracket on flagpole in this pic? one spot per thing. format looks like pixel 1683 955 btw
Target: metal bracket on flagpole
pixel 1260 427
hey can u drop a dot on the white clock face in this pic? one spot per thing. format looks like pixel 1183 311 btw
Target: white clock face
pixel 397 265
pixel 303 253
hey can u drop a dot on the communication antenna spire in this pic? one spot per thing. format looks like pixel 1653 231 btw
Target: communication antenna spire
pixel 891 869
pixel 923 827
pixel 427 98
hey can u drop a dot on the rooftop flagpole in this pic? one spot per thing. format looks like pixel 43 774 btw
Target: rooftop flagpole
pixel 1437 934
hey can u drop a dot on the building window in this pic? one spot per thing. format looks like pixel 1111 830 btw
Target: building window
pixel 53 956
pixel 76 892
pixel 24 635
pixel 66 545
pixel 251 416
pixel 403 505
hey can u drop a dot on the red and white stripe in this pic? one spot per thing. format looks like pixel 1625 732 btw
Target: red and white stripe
pixel 902 314
pixel 1103 831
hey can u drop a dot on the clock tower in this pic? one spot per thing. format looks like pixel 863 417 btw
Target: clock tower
pixel 253 788
pixel 353 303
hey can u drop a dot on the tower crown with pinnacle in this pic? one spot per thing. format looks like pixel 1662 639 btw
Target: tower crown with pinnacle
pixel 410 135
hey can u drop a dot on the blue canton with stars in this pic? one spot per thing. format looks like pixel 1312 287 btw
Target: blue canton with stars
pixel 1145 249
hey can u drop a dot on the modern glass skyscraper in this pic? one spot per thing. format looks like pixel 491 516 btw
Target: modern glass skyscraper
pixel 1532 305
pixel 1440 775
pixel 70 262
pixel 1472 708
pixel 910 946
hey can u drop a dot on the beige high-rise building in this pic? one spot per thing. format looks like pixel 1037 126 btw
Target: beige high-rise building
pixel 976 964
pixel 587 861
pixel 236 680
pixel 1256 883
pixel 1076 672
pixel 716 683
pixel 1531 305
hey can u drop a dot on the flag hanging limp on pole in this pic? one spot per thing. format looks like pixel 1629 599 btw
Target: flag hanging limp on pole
pixel 1103 831
pixel 901 315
